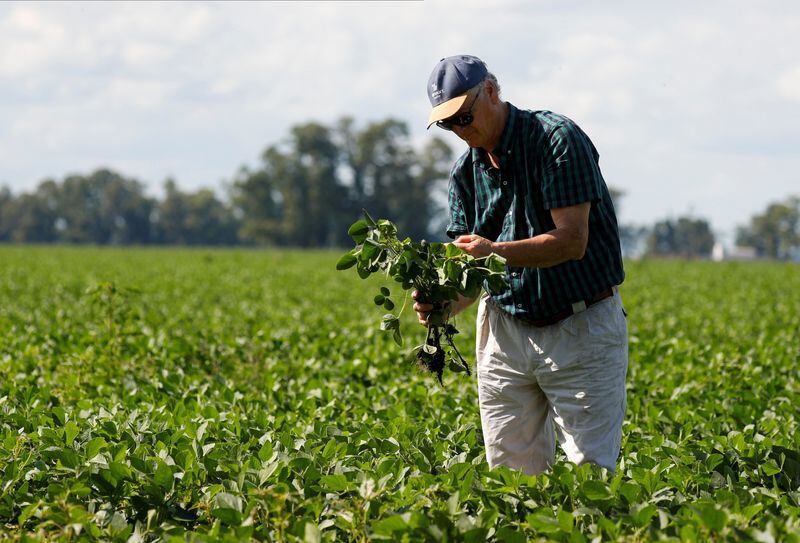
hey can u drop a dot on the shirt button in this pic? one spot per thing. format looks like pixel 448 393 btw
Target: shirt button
pixel 505 182
pixel 513 274
pixel 509 152
pixel 519 306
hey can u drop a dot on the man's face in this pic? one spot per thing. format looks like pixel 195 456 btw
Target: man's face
pixel 476 133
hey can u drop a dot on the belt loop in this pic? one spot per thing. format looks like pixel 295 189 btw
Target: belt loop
pixel 577 307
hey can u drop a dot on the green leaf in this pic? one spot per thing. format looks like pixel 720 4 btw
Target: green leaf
pixel 452 251
pixel 311 533
pixel 369 250
pixel 544 523
pixel 228 508
pixel 390 322
pixel 566 520
pixel 770 468
pixel 714 519
pixel 642 513
pixel 348 260
pixel 388 304
pixel 379 299
pixel 452 270
pixel 595 490
pixel 335 483
pixel 71 431
pixel 163 475
pixel 119 471
pixel 507 534
pixel 368 219
pixel 495 263
pixel 630 491
pixel 455 367
pixel 94 446
pixel 358 231
pixel 496 283
pixel 385 291
pixel 27 513
pixel 390 525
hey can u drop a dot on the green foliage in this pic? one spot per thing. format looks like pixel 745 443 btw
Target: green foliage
pixel 685 237
pixel 236 395
pixel 303 193
pixel 440 273
pixel 106 208
pixel 307 189
pixel 194 218
pixel 775 233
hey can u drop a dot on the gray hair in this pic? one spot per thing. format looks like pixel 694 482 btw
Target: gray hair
pixel 491 77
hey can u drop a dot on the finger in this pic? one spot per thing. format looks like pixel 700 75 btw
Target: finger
pixel 463 239
pixel 423 308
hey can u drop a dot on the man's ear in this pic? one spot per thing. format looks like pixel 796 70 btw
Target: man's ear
pixel 491 91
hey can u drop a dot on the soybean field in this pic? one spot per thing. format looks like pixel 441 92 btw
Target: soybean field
pixel 249 395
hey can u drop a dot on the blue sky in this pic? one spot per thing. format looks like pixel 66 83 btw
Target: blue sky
pixel 694 106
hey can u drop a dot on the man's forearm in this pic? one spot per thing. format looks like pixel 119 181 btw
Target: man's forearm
pixel 542 251
pixel 461 304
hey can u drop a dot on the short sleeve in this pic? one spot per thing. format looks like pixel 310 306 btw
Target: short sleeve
pixel 571 174
pixel 458 218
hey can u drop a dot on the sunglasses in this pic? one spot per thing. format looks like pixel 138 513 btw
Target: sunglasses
pixel 460 119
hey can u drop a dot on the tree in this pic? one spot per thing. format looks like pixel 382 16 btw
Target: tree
pixel 305 192
pixel 776 232
pixel 311 187
pixel 313 195
pixel 6 203
pixel 686 237
pixel 426 212
pixel 194 218
pixel 103 208
pixel 296 198
pixel 390 179
pixel 633 239
pixel 30 218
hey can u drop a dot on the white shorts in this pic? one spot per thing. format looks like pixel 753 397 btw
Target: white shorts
pixel 566 379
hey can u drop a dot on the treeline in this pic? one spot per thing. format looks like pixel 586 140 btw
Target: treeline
pixel 773 234
pixel 305 192
pixel 106 208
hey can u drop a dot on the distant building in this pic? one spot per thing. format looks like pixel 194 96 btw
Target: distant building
pixel 720 253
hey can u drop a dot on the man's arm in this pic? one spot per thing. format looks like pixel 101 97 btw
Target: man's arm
pixel 567 241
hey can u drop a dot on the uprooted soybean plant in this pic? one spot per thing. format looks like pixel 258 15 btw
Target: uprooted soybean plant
pixel 439 272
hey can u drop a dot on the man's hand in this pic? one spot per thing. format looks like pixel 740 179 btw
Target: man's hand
pixel 475 245
pixel 425 309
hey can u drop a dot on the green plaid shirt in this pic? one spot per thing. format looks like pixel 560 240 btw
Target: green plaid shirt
pixel 546 161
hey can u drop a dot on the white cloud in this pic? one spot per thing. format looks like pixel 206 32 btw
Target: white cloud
pixel 692 106
pixel 788 83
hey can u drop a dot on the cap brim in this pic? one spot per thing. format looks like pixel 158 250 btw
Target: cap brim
pixel 447 109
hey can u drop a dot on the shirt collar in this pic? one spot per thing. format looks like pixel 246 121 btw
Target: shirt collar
pixel 503 149
pixel 504 145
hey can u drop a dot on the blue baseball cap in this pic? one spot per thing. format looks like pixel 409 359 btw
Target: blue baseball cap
pixel 449 82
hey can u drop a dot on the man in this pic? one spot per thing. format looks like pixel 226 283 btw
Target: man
pixel 552 349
